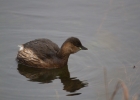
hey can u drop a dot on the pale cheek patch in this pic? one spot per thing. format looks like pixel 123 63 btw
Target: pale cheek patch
pixel 20 47
pixel 80 48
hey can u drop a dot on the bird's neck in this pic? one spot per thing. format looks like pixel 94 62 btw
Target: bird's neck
pixel 63 54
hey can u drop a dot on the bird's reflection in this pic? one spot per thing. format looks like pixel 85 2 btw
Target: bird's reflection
pixel 48 75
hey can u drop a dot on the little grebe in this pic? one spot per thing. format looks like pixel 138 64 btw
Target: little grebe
pixel 43 53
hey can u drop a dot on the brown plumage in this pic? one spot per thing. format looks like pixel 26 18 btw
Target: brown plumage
pixel 43 53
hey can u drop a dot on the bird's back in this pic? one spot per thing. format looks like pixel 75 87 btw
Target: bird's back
pixel 42 48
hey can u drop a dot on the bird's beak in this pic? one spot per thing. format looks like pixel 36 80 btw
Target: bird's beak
pixel 83 48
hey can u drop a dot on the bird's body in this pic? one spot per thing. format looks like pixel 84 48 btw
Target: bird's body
pixel 43 53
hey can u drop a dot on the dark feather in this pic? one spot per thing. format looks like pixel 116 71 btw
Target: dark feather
pixel 43 48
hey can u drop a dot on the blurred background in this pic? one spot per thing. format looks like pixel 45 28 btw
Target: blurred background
pixel 110 29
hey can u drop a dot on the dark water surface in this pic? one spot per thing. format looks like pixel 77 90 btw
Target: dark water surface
pixel 110 29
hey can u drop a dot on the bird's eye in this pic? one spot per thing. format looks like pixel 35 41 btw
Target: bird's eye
pixel 80 48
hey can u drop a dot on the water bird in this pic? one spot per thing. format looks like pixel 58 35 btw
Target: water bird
pixel 43 53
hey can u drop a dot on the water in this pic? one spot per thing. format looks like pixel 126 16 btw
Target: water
pixel 109 29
